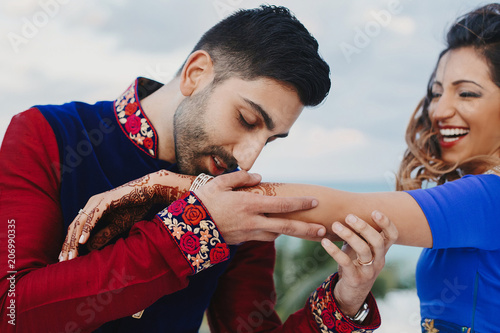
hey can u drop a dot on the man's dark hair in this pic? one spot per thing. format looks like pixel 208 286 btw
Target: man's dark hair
pixel 269 42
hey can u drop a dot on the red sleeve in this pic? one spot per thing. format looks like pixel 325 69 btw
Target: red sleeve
pixel 245 300
pixel 84 293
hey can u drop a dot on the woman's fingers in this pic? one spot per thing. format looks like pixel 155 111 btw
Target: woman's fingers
pixel 68 248
pixel 389 231
pixel 363 239
pixel 365 246
pixel 65 248
pixel 368 243
pixel 92 218
pixel 79 229
pixel 362 257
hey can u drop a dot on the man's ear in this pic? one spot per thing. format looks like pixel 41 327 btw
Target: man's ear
pixel 197 72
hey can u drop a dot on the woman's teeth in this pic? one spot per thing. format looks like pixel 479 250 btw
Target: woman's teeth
pixel 452 134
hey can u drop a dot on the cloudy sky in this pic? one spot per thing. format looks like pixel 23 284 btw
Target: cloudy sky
pixel 381 53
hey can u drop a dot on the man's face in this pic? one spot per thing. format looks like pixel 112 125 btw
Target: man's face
pixel 221 127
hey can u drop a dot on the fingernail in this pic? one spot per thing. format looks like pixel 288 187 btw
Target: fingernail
pixel 325 243
pixel 82 238
pixel 338 227
pixel 314 203
pixel 70 255
pixel 350 219
pixel 321 232
pixel 60 256
pixel 377 215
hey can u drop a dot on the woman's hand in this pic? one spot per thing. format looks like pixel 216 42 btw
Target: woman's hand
pixel 361 259
pixel 121 208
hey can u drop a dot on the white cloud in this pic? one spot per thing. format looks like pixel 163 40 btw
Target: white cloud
pixel 316 141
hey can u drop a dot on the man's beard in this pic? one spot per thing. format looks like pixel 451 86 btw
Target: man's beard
pixel 191 139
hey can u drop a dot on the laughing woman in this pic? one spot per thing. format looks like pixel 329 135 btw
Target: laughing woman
pixel 453 142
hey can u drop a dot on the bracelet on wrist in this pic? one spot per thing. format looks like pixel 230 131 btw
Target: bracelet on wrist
pixel 361 315
pixel 199 181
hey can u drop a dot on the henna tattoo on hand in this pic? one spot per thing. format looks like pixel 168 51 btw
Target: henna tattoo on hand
pixel 87 227
pixel 136 182
pixel 132 208
pixel 187 177
pixel 162 173
pixel 121 214
pixel 268 189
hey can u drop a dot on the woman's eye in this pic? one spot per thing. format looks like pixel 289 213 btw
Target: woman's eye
pixel 466 94
pixel 435 95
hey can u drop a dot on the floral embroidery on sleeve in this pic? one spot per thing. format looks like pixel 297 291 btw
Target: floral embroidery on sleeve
pixel 196 234
pixel 329 317
pixel 134 122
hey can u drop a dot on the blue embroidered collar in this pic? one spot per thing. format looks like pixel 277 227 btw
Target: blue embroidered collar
pixel 132 119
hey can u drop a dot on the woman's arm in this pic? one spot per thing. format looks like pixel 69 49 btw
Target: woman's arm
pixel 240 216
pixel 334 205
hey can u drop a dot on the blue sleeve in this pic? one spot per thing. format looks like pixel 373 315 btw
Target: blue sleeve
pixel 463 213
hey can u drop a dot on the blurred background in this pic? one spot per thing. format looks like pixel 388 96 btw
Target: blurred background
pixel 381 54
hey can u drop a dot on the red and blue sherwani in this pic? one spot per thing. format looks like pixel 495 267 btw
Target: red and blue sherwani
pixel 175 267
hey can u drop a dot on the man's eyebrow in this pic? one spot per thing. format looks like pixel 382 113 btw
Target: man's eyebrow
pixel 256 107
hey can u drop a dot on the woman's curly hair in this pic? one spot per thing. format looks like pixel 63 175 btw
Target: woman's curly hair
pixel 422 161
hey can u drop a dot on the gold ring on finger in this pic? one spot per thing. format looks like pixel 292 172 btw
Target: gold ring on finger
pixel 368 263
pixel 81 211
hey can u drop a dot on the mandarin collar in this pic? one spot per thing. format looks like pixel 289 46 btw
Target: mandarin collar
pixel 132 119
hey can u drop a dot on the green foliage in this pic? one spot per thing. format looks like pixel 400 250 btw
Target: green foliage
pixel 301 266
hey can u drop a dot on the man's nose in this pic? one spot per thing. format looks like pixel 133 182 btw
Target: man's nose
pixel 246 154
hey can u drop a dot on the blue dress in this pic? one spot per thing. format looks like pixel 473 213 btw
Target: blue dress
pixel 458 279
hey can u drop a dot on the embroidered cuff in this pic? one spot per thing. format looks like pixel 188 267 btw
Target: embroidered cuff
pixel 328 316
pixel 195 232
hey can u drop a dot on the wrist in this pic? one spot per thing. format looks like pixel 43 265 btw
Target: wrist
pixel 361 315
pixel 199 181
pixel 170 186
pixel 355 300
pixel 330 318
pixel 355 310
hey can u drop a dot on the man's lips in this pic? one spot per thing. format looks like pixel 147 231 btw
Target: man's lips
pixel 218 166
